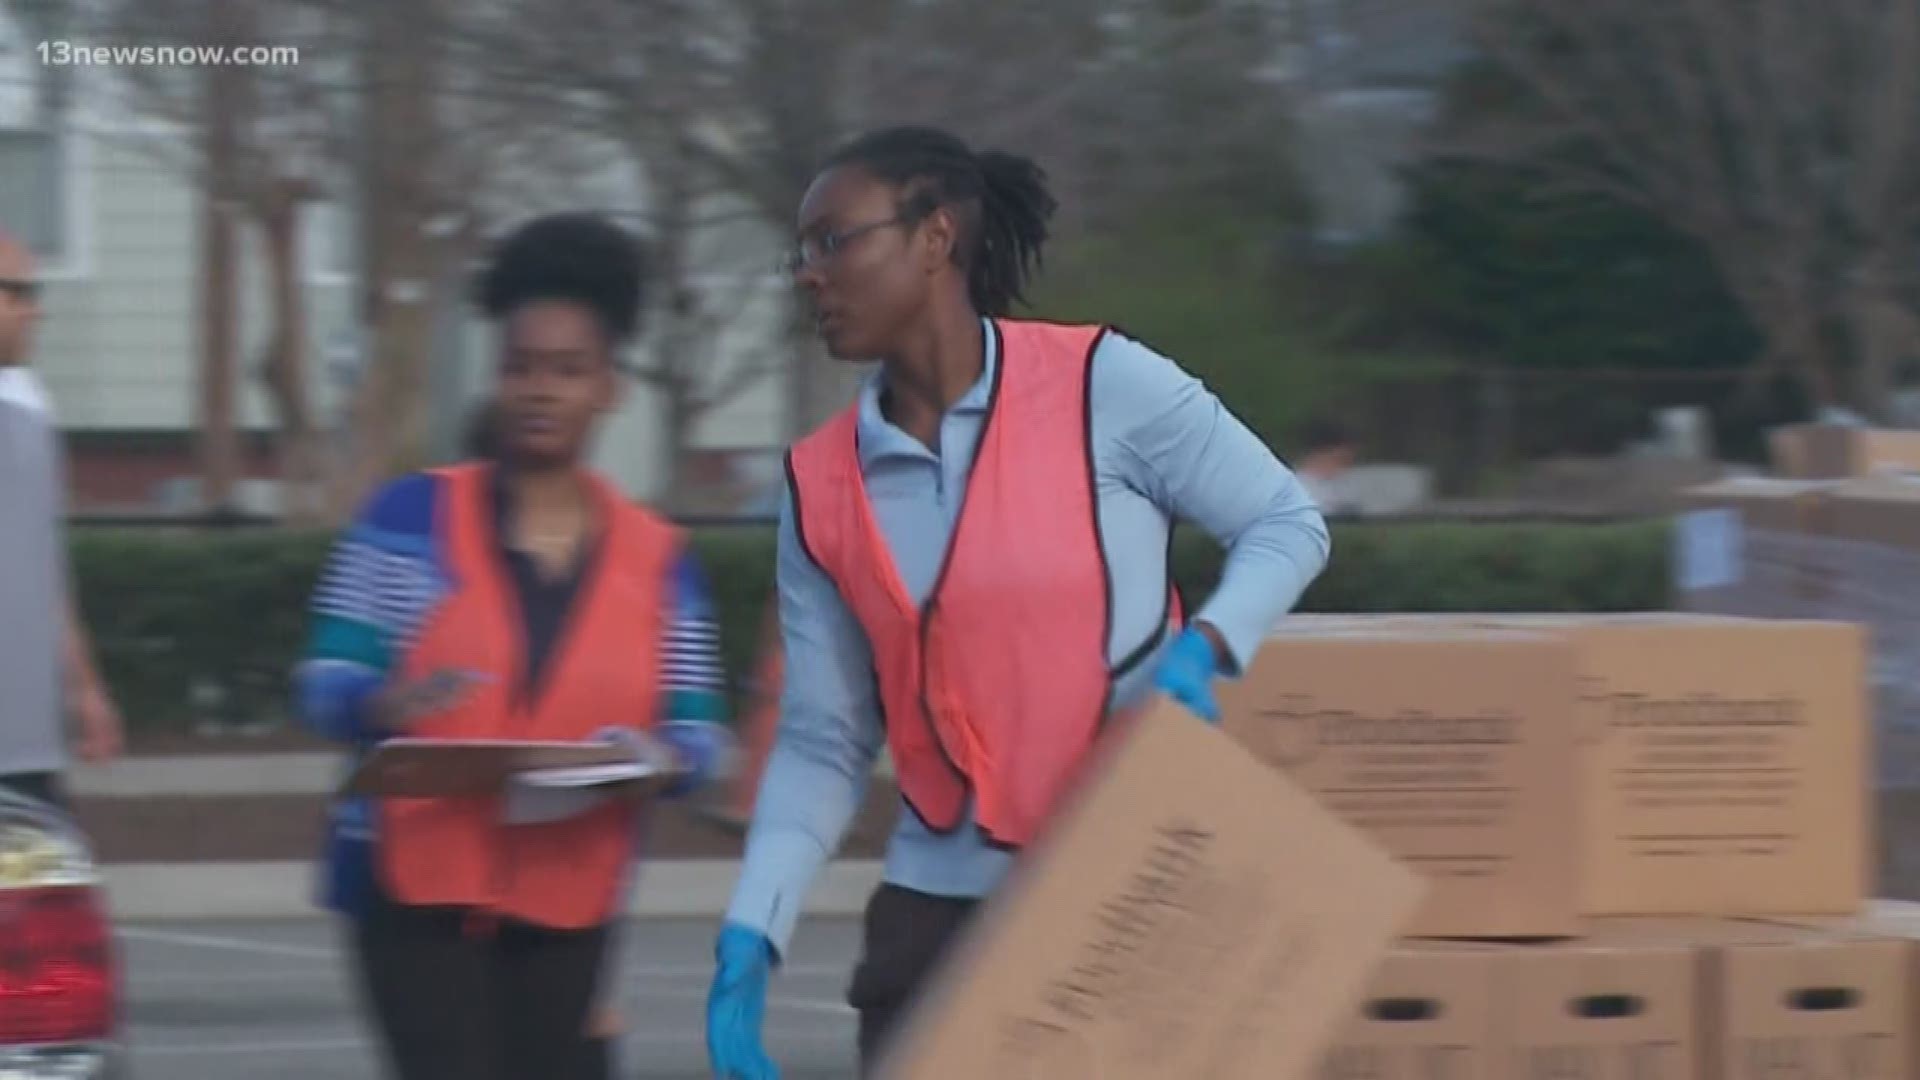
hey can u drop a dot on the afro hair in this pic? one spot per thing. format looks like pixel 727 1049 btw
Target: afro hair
pixel 577 256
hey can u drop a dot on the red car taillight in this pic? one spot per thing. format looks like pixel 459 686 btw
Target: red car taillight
pixel 57 969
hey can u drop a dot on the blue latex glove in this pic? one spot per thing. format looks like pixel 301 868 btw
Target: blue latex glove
pixel 1186 674
pixel 700 746
pixel 737 1005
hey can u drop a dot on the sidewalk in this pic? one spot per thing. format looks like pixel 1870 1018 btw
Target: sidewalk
pixel 280 796
pixel 295 772
pixel 300 772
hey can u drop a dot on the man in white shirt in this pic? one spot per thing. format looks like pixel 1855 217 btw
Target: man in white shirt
pixel 46 665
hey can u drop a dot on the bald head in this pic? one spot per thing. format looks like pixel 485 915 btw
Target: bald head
pixel 19 300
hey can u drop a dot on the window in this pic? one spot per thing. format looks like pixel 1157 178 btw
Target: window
pixel 33 166
pixel 33 198
pixel 328 238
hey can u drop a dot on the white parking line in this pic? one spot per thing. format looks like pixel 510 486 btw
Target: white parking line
pixel 312 952
pixel 159 980
pixel 141 1049
pixel 229 944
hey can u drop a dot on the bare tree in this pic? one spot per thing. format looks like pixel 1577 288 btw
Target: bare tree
pixel 1783 135
pixel 380 113
pixel 259 144
pixel 451 120
pixel 748 96
pixel 402 59
pixel 650 81
pixel 694 364
pixel 220 93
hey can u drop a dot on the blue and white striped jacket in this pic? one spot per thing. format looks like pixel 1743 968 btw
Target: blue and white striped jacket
pixel 385 575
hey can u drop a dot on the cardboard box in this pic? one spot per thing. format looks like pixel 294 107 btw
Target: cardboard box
pixel 1647 999
pixel 1428 1014
pixel 1809 1002
pixel 1836 450
pixel 1900 920
pixel 1725 763
pixel 1722 764
pixel 1767 502
pixel 1609 1007
pixel 1787 451
pixel 1190 913
pixel 1798 997
pixel 1846 550
pixel 1872 545
pixel 1453 747
pixel 1883 511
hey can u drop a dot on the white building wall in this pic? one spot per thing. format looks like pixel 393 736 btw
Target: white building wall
pixel 120 347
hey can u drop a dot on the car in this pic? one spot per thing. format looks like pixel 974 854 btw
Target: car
pixel 60 993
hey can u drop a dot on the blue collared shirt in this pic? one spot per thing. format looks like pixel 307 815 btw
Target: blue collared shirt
pixel 1164 448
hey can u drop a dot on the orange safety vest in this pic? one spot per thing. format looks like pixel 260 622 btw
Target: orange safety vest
pixel 604 672
pixel 998 684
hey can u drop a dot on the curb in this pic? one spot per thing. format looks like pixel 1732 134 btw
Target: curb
pixel 287 772
pixel 673 888
pixel 294 772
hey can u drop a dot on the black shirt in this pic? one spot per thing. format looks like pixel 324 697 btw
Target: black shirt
pixel 545 602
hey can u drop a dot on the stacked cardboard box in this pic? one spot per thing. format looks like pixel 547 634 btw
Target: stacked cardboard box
pixel 1699 999
pixel 1450 847
pixel 1545 769
pixel 1834 451
pixel 1595 839
pixel 1618 817
pixel 1844 547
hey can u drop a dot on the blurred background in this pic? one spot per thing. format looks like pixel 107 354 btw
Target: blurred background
pixel 1511 259
pixel 1535 251
pixel 1508 281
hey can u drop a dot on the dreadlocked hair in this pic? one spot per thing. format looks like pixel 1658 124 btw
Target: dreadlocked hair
pixel 1000 199
pixel 578 256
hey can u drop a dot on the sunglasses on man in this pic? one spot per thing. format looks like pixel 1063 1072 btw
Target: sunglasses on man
pixel 20 289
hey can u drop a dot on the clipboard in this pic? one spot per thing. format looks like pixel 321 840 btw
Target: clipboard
pixel 431 768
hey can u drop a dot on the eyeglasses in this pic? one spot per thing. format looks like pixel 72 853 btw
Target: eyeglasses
pixel 814 250
pixel 20 289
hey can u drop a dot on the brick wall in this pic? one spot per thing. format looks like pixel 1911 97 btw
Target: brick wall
pixel 125 472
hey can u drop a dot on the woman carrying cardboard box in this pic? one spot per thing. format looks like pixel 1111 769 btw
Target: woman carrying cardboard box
pixel 972 563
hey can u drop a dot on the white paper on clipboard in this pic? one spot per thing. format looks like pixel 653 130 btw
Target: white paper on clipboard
pixel 542 795
pixel 586 776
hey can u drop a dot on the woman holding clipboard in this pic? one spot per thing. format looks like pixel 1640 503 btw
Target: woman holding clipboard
pixel 518 597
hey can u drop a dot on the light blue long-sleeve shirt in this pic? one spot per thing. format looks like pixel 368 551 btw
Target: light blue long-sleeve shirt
pixel 1164 448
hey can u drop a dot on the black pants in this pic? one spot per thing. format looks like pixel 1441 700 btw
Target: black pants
pixel 905 937
pixel 457 999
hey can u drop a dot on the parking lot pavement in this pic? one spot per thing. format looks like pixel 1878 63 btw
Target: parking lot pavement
pixel 239 1001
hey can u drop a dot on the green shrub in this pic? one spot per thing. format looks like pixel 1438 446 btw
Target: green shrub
pixel 1461 566
pixel 209 624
